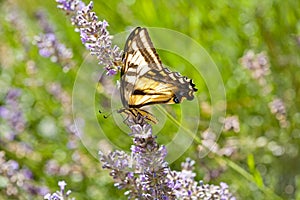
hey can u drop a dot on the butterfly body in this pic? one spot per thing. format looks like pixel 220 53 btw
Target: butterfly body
pixel 144 80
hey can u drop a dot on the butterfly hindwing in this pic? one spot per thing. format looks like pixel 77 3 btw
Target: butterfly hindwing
pixel 144 81
pixel 163 86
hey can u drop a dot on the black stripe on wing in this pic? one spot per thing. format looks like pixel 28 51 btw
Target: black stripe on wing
pixel 139 40
pixel 184 86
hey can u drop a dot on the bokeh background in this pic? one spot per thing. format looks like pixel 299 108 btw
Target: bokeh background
pixel 255 45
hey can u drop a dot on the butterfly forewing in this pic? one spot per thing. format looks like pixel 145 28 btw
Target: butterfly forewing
pixel 140 52
pixel 140 56
pixel 144 80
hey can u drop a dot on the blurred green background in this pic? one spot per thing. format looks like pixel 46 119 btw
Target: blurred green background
pixel 265 163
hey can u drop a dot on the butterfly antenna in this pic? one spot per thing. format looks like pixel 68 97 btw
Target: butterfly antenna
pixel 107 116
pixel 104 115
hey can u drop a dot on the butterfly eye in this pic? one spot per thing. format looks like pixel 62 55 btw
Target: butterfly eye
pixel 176 100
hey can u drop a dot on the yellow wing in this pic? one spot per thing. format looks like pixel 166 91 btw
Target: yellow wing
pixel 144 81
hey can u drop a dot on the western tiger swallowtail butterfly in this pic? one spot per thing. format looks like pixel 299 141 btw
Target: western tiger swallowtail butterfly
pixel 144 80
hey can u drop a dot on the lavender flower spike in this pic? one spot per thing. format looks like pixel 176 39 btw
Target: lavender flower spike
pixel 97 39
pixel 49 45
pixel 145 174
pixel 94 34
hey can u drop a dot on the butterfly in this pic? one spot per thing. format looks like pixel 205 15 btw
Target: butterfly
pixel 144 81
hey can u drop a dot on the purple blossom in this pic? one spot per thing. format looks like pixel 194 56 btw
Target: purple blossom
pixel 258 64
pixel 141 131
pixel 45 52
pixel 13 94
pixel 67 5
pixel 4 112
pixel 27 173
pixel 231 123
pixel 84 37
pixel 14 165
pixel 187 188
pixel 49 45
pixel 277 108
pixel 60 195
pixel 70 6
pixel 17 179
pixel 145 173
pixel 94 34
pixel 111 72
pixel 209 144
pixel 62 185
pixel 12 115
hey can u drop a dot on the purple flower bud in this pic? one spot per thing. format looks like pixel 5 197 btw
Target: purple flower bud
pixel 45 52
pixel 13 94
pixel 111 72
pixel 4 112
pixel 104 24
pixel 27 173
pixel 130 175
pixel 62 185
